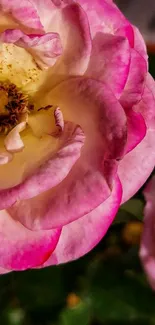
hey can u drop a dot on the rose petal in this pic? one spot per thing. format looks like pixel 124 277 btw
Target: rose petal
pixel 80 236
pixel 73 25
pixel 4 271
pixel 136 129
pixel 81 192
pixel 24 11
pixel 5 157
pixel 147 248
pixel 13 141
pixel 36 152
pixel 48 14
pixel 6 21
pixel 45 49
pixel 110 61
pixel 59 121
pixel 62 3
pixel 137 165
pixel 134 87
pixel 21 248
pixel 104 16
pixel 52 172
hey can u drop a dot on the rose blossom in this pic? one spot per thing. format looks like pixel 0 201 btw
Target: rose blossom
pixel 77 126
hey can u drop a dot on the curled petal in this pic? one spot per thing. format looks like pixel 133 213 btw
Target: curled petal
pixel 59 121
pixel 24 11
pixel 136 129
pixel 80 236
pixel 5 157
pixel 21 248
pixel 13 141
pixel 52 172
pixel 44 48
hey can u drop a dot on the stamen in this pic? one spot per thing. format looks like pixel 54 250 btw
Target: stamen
pixel 13 104
pixel 45 107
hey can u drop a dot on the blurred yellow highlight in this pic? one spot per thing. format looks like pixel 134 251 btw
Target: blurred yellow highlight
pixel 132 232
pixel 72 300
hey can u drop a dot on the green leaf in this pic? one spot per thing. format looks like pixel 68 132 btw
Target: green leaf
pixel 131 210
pixel 81 314
pixel 134 207
pixel 123 217
pixel 118 295
pixel 15 316
pixel 40 288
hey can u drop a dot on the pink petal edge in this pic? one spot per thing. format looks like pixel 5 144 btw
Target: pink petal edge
pixel 21 248
pixel 80 236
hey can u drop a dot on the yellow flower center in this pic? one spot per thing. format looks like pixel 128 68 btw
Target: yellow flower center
pixel 28 127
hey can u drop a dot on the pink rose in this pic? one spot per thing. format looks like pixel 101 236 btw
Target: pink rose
pixel 147 249
pixel 77 123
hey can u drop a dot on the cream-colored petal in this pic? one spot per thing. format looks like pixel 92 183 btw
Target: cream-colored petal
pixel 36 152
pixel 13 141
pixel 42 122
pixel 48 120
pixel 5 157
